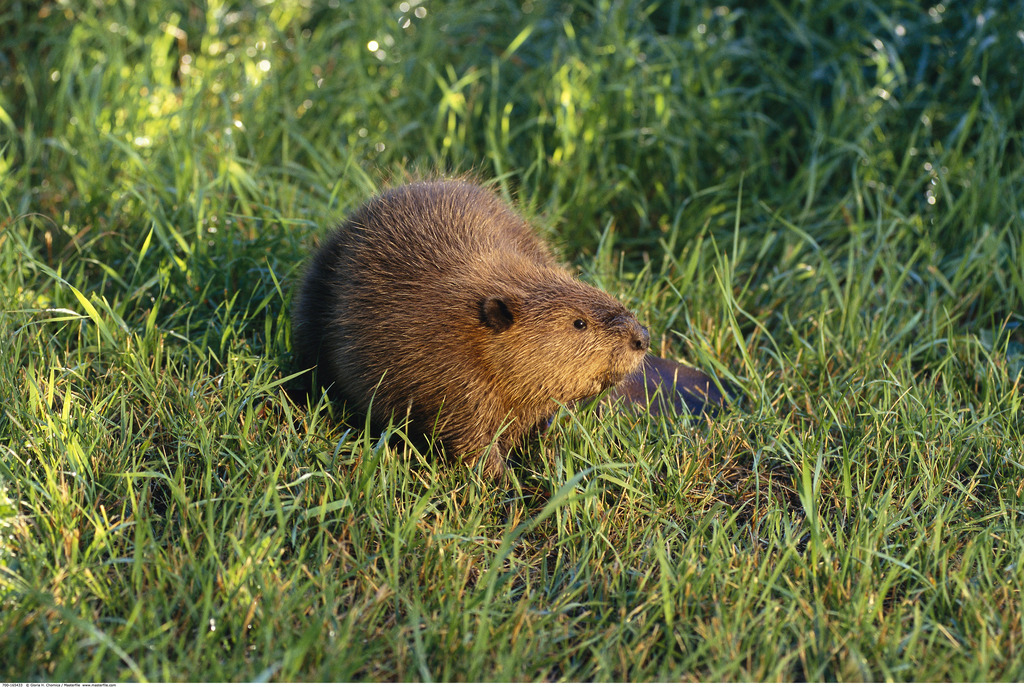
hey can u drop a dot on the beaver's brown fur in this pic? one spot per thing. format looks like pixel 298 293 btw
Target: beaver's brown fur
pixel 435 300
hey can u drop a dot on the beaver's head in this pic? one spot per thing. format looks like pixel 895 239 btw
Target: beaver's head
pixel 553 337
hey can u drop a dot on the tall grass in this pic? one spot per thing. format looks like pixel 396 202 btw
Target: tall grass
pixel 819 202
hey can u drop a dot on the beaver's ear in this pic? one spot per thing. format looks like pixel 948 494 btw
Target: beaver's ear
pixel 498 313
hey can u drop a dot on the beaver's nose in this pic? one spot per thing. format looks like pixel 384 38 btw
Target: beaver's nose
pixel 636 334
pixel 641 338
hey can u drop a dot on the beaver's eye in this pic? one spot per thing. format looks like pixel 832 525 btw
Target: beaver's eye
pixel 580 324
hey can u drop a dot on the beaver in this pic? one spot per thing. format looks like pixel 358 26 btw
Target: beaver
pixel 436 302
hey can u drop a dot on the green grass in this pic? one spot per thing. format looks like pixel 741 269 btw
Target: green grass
pixel 819 202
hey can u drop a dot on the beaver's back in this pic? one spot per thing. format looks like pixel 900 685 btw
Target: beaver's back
pixel 433 228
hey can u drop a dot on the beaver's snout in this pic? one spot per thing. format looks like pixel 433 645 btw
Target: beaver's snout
pixel 635 333
pixel 642 339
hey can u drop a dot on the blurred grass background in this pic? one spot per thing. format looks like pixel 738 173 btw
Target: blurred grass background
pixel 819 202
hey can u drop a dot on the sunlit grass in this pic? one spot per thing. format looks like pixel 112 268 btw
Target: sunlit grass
pixel 820 203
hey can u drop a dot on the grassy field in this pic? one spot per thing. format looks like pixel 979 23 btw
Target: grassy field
pixel 822 203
